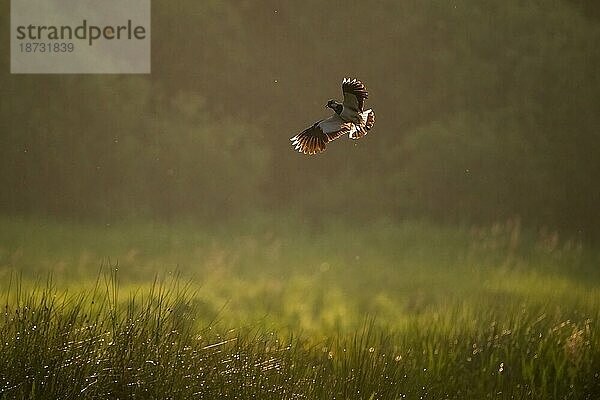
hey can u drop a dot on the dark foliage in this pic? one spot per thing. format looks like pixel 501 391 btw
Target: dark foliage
pixel 485 111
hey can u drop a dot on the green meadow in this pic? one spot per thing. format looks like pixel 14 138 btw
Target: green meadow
pixel 279 308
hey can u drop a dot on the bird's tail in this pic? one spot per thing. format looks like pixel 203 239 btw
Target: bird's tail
pixel 367 120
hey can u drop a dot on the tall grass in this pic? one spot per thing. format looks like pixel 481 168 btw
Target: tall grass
pixel 384 312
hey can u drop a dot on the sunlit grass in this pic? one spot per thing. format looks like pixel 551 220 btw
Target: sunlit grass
pixel 277 309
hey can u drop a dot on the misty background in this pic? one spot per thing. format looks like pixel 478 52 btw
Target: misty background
pixel 485 111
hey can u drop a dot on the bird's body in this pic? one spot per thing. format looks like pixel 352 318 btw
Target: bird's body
pixel 349 118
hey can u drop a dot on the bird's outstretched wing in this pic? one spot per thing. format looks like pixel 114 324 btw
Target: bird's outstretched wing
pixel 314 139
pixel 355 94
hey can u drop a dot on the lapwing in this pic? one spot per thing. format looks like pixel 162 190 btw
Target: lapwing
pixel 349 118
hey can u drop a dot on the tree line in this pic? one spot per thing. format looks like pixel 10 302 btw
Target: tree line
pixel 484 111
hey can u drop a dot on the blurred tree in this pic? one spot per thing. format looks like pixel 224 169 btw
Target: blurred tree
pixel 485 111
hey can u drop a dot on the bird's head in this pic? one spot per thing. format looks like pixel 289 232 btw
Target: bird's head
pixel 336 106
pixel 331 103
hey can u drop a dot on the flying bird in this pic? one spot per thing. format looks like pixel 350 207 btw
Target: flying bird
pixel 349 118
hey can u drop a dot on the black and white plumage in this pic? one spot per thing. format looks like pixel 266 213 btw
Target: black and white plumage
pixel 349 118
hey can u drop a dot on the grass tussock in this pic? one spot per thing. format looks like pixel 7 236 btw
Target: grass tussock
pixel 387 312
pixel 149 345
